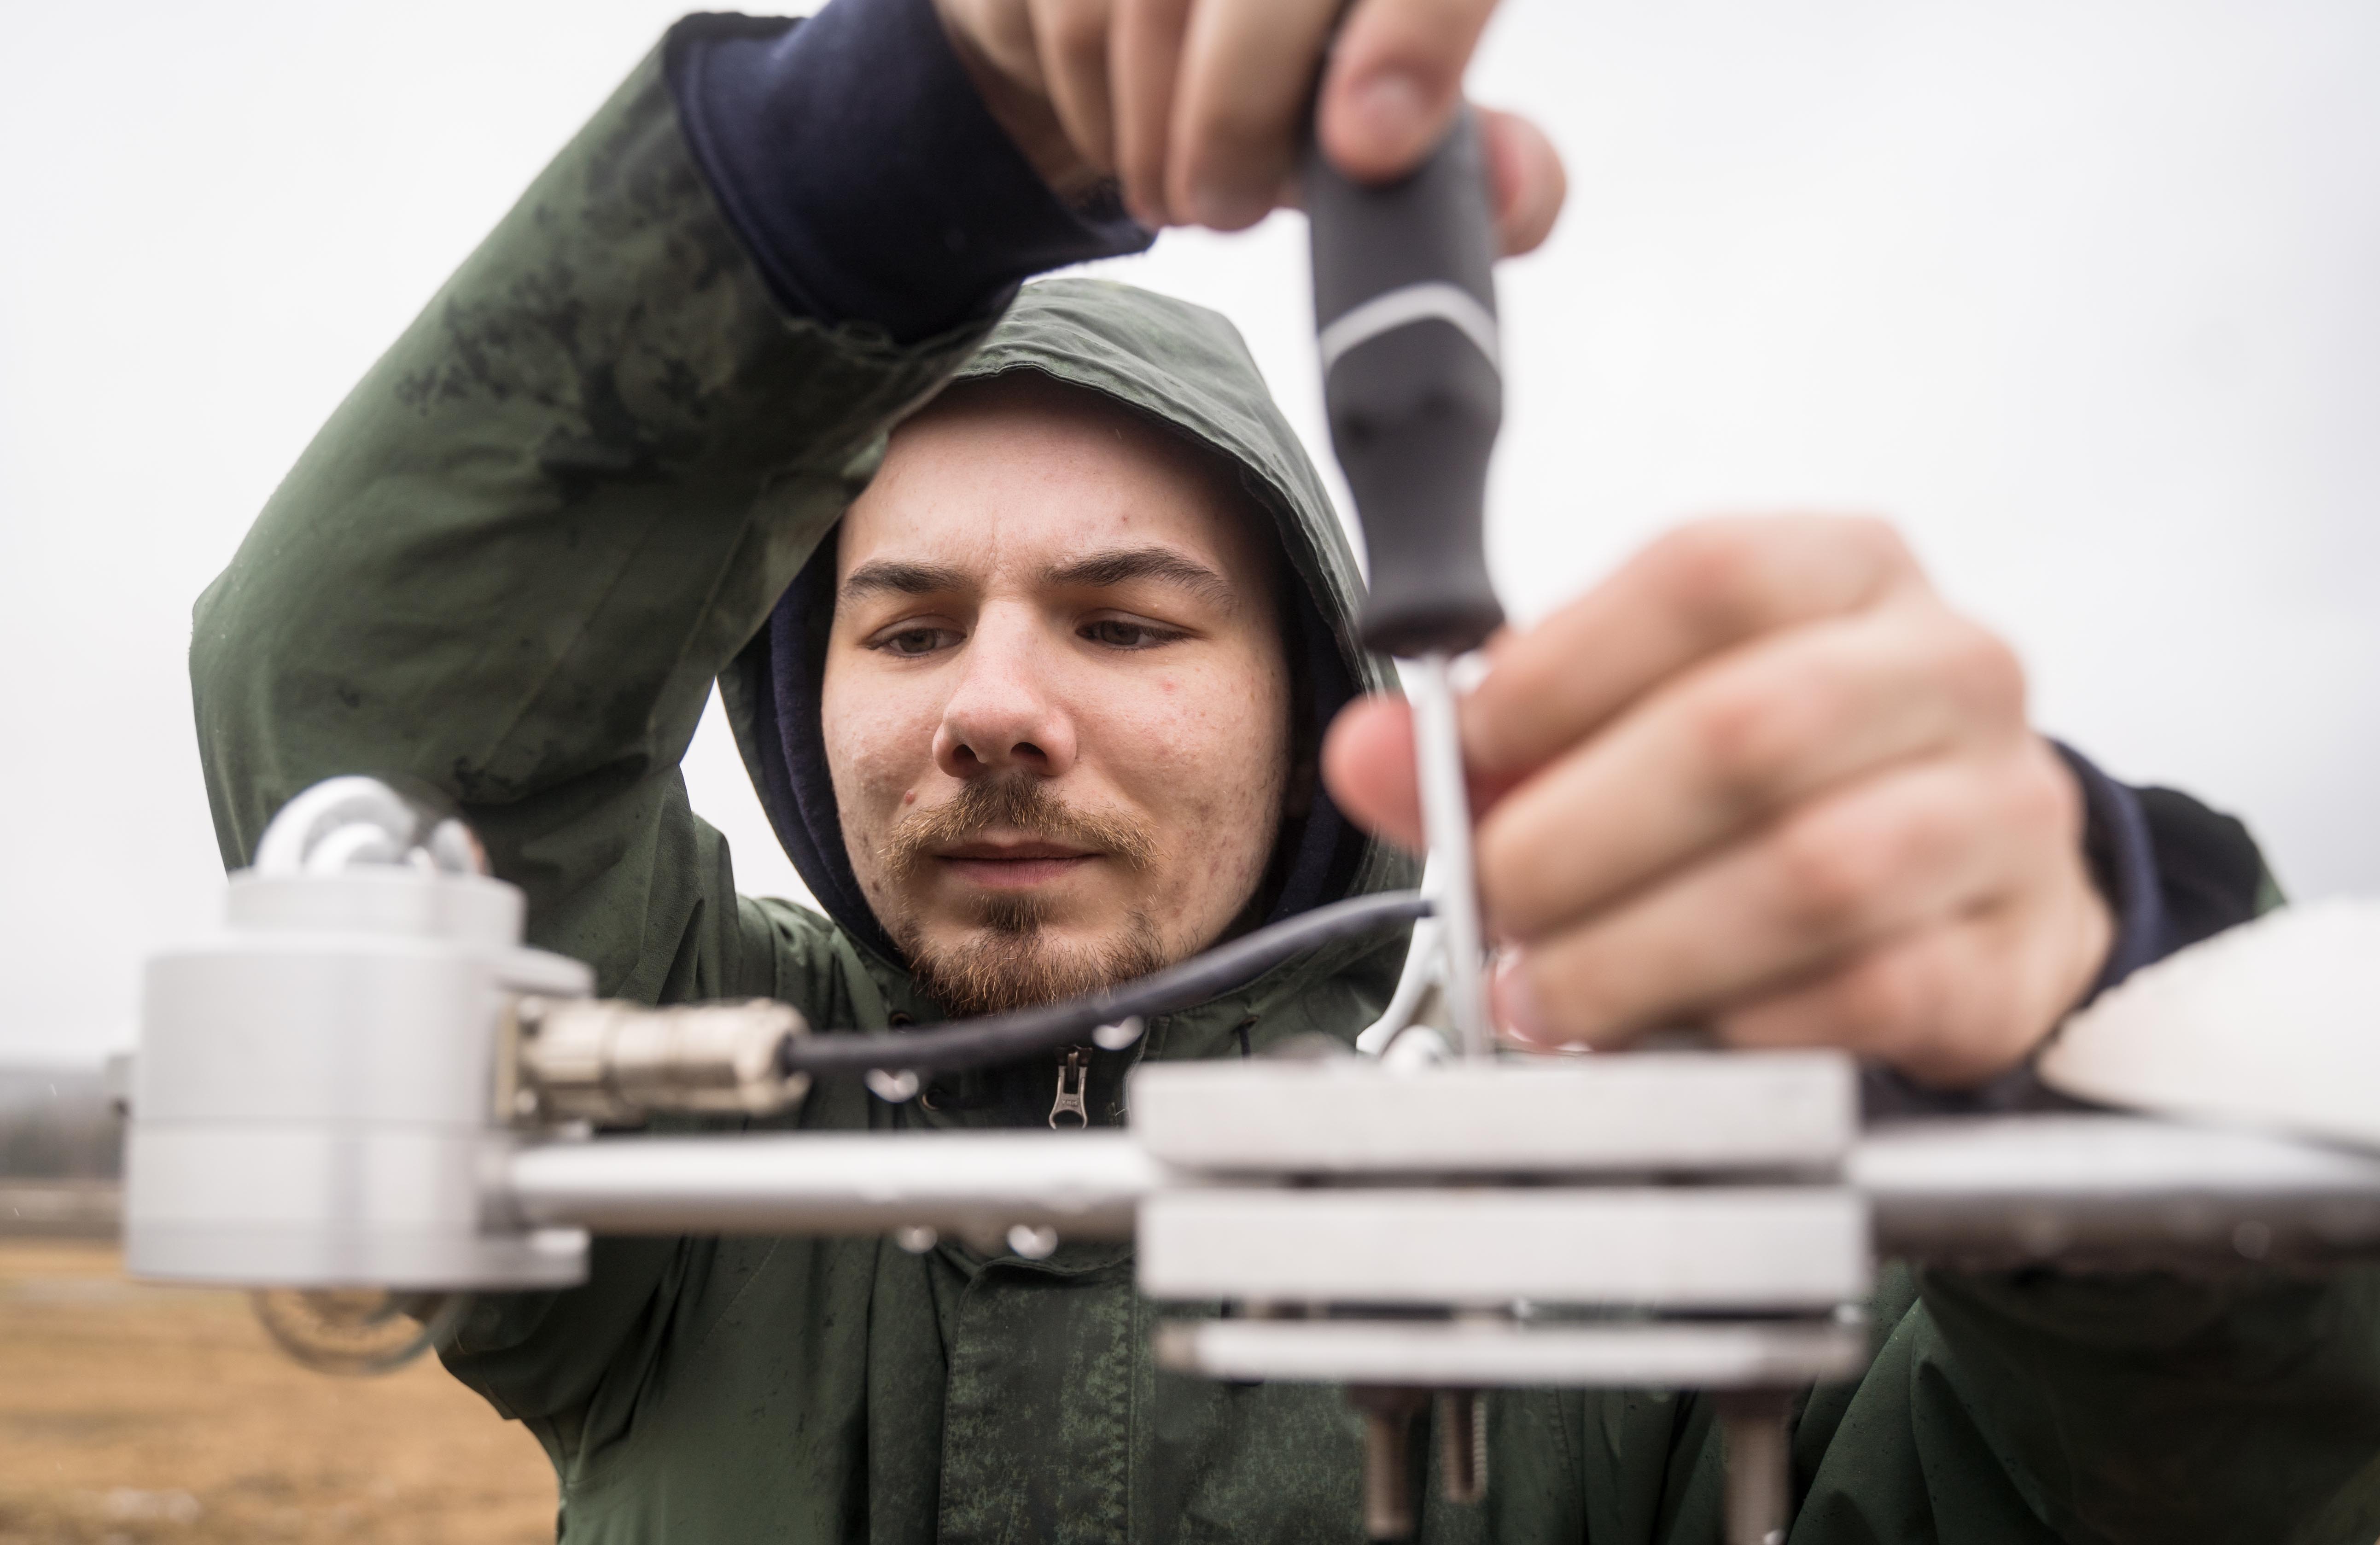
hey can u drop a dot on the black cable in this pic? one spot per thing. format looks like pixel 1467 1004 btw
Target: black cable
pixel 1006 1037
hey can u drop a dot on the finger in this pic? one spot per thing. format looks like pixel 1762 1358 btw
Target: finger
pixel 1144 55
pixel 1701 590
pixel 1394 81
pixel 1889 854
pixel 995 36
pixel 1950 1005
pixel 1072 39
pixel 1367 765
pixel 1734 742
pixel 1525 175
pixel 1245 78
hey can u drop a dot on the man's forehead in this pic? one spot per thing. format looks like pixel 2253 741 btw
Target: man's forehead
pixel 1031 479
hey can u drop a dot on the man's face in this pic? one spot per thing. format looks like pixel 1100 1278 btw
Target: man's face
pixel 1057 701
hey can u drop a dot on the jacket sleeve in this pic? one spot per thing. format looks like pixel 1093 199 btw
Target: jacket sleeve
pixel 514 558
pixel 2173 870
pixel 511 565
pixel 2046 1408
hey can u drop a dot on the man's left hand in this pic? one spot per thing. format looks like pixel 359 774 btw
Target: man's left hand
pixel 1764 779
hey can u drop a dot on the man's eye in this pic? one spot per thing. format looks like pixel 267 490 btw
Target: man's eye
pixel 1118 634
pixel 914 640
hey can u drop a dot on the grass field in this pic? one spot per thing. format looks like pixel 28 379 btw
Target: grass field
pixel 130 1415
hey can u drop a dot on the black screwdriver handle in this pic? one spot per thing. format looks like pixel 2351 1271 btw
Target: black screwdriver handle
pixel 1404 308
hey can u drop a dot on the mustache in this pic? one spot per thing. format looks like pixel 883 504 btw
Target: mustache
pixel 1018 803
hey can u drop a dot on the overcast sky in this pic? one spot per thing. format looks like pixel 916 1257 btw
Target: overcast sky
pixel 2086 295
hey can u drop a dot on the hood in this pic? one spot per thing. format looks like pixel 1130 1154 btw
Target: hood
pixel 1185 368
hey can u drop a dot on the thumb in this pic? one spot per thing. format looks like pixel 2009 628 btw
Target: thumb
pixel 1367 764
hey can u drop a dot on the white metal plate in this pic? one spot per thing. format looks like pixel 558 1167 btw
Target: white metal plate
pixel 1634 1112
pixel 1688 1248
pixel 1454 1354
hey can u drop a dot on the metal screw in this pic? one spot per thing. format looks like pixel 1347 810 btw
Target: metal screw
pixel 1033 1244
pixel 1462 1445
pixel 1758 1484
pixel 1116 1037
pixel 893 1088
pixel 1388 1458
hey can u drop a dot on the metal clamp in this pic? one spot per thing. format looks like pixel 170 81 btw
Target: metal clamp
pixel 612 1063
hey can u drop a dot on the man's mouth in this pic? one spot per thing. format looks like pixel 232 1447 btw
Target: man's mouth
pixel 1019 865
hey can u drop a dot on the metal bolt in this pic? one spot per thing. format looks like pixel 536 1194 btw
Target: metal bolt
pixel 1116 1037
pixel 895 1087
pixel 1033 1244
pixel 1388 1458
pixel 1758 1484
pixel 1462 1445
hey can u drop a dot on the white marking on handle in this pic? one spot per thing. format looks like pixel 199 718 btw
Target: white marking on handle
pixel 1401 308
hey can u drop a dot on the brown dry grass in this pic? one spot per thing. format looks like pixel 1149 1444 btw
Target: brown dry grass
pixel 130 1415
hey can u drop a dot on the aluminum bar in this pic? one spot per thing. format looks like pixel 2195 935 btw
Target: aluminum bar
pixel 2044 1187
pixel 1952 1189
pixel 1085 1186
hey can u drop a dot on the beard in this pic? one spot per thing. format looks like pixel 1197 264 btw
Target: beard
pixel 1007 959
pixel 1010 962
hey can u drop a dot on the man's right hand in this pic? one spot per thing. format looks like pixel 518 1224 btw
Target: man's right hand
pixel 1196 107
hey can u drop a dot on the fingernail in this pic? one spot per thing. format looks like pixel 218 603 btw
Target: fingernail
pixel 1222 210
pixel 1513 1001
pixel 1390 109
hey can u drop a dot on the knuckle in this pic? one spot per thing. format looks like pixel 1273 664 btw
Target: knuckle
pixel 1856 559
pixel 1077 34
pixel 1983 670
pixel 2042 799
pixel 1884 1000
pixel 1829 877
pixel 1746 740
pixel 1711 571
pixel 1873 538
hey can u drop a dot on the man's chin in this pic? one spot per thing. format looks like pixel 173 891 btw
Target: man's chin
pixel 1018 960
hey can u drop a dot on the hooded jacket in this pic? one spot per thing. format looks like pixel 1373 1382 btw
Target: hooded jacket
pixel 585 484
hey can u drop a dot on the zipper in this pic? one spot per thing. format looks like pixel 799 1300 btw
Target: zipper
pixel 1074 1083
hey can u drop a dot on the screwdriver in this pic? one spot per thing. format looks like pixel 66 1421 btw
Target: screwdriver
pixel 1404 310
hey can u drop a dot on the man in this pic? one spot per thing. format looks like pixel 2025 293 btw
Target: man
pixel 1048 691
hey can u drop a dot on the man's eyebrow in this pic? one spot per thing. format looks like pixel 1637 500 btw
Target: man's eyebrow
pixel 885 576
pixel 1118 565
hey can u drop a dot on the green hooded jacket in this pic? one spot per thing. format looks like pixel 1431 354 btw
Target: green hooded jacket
pixel 512 564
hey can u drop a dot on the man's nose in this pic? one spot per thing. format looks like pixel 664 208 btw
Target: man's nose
pixel 1004 716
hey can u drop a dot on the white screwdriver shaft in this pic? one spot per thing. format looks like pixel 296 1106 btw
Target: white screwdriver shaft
pixel 1446 824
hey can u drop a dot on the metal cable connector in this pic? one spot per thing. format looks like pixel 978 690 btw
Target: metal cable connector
pixel 612 1063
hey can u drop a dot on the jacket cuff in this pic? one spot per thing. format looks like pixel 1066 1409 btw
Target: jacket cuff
pixel 855 159
pixel 2122 856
